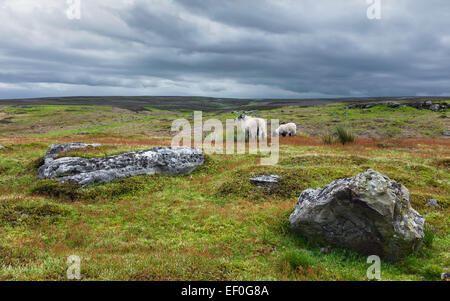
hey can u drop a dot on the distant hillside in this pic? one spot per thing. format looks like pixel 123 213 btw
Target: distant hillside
pixel 137 103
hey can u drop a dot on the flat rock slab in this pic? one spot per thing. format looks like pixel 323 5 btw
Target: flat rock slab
pixel 158 160
pixel 268 183
pixel 368 213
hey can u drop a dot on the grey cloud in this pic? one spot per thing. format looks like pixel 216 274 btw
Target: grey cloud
pixel 246 48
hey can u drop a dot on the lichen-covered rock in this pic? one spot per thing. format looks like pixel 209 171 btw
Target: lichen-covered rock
pixel 368 213
pixel 158 160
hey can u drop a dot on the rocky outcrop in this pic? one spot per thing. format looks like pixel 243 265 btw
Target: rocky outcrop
pixel 368 213
pixel 268 183
pixel 423 105
pixel 88 171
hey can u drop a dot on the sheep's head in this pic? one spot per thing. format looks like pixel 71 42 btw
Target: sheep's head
pixel 241 117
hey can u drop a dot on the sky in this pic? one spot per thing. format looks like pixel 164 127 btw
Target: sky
pixel 225 48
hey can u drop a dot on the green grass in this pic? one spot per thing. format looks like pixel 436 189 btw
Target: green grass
pixel 211 224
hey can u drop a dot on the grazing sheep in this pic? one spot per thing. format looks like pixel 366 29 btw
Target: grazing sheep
pixel 255 127
pixel 288 129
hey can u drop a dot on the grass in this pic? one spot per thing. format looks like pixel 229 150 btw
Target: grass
pixel 211 224
pixel 344 135
pixel 341 135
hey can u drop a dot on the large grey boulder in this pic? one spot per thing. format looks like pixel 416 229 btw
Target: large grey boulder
pixel 368 213
pixel 158 160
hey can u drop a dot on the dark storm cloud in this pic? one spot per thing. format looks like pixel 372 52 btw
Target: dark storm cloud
pixel 245 48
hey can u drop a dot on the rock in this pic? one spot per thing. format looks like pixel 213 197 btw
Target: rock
pixel 435 107
pixel 2 147
pixel 324 250
pixel 433 203
pixel 368 213
pixel 446 133
pixel 251 112
pixel 417 105
pixel 268 183
pixel 158 160
pixel 393 105
pixel 56 149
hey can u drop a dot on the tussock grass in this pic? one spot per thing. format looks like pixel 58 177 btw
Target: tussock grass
pixel 340 135
pixel 343 135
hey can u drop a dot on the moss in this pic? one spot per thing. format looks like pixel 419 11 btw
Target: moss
pixel 186 269
pixel 54 189
pixel 37 163
pixel 441 163
pixel 316 160
pixel 70 191
pixel 13 215
pixel 298 259
pixel 15 257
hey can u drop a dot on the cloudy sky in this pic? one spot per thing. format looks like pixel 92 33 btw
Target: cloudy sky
pixel 224 48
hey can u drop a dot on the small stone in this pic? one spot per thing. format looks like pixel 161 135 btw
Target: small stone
pixel 433 203
pixel 268 183
pixel 324 250
pixel 446 133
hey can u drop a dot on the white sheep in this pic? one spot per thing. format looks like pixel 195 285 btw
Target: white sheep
pixel 288 129
pixel 255 127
